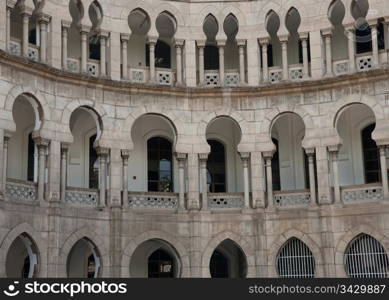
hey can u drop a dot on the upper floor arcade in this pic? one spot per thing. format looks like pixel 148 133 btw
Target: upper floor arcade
pixel 192 44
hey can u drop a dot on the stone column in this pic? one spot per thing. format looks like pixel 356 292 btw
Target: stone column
pixel 351 47
pixel 285 66
pixel 8 24
pixel 203 157
pixel 103 154
pixel 312 179
pixel 152 42
pixel 103 61
pixel 5 162
pixel 304 44
pixel 327 34
pixel 179 44
pixel 84 46
pixel 242 73
pixel 43 20
pixel 64 168
pixel 124 39
pixel 125 156
pixel 384 172
pixel 64 56
pixel 258 185
pixel 220 45
pixel 323 172
pixel 193 202
pixel 26 14
pixel 264 42
pixel 42 145
pixel 269 178
pixel 253 68
pixel 245 156
pixel 201 46
pixel 374 42
pixel 181 158
pixel 335 173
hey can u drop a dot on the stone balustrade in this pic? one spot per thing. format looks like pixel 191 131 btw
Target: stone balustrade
pixel 362 193
pixel 21 189
pixel 152 200
pixel 81 197
pixel 296 198
pixel 225 200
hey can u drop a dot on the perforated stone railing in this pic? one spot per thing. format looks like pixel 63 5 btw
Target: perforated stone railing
pixel 152 200
pixel 364 63
pixel 362 193
pixel 33 52
pixel 291 198
pixel 296 72
pixel 275 74
pixel 138 75
pixel 15 47
pixel 165 77
pixel 225 200
pixel 81 196
pixel 93 68
pixel 231 78
pixel 73 65
pixel 21 190
pixel 341 67
pixel 211 78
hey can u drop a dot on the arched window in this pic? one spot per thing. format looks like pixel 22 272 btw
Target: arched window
pixel 94 47
pixel 160 265
pixel 219 265
pixel 162 55
pixel 381 35
pixel 275 168
pixel 160 166
pixel 216 165
pixel 366 258
pixel 93 164
pixel 363 38
pixel 371 160
pixel 211 57
pixel 30 158
pixel 295 260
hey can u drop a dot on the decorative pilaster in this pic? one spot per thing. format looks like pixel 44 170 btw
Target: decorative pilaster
pixel 351 47
pixel 327 34
pixel 152 41
pixel 264 42
pixel 103 48
pixel 125 156
pixel 335 172
pixel 203 157
pixel 64 167
pixel 124 39
pixel 245 156
pixel 65 33
pixel 181 158
pixel 103 155
pixel 384 172
pixel 26 14
pixel 304 43
pixel 285 66
pixel 42 145
pixel 242 72
pixel 179 45
pixel 312 178
pixel 84 46
pixel 201 46
pixel 5 162
pixel 220 45
pixel 374 41
pixel 269 178
pixel 43 20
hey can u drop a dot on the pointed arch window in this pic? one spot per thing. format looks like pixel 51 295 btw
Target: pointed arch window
pixel 162 55
pixel 93 164
pixel 371 158
pixel 216 166
pixel 31 158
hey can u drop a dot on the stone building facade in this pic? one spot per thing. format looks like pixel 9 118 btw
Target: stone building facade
pixel 194 139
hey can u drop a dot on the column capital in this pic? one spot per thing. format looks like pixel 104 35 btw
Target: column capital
pixel 152 39
pixel 372 22
pixel 264 41
pixel 327 32
pixel 221 43
pixel 200 43
pixel 84 28
pixel 41 142
pixel 124 37
pixel 125 153
pixel 244 156
pixel 102 151
pixel 304 35
pixel 241 42
pixel 26 10
pixel 66 24
pixel 179 42
pixel 65 146
pixel 43 18
pixel 268 154
pixel 103 34
pixel 181 156
pixel 349 27
pixel 333 148
pixel 11 4
pixel 309 151
pixel 203 156
pixel 284 38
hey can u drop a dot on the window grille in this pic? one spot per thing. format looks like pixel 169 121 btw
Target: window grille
pixel 295 260
pixel 366 258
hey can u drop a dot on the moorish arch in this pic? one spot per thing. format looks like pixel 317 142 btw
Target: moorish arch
pixel 247 247
pixel 343 242
pixel 26 230
pixel 95 239
pixel 282 239
pixel 156 235
pixel 179 18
